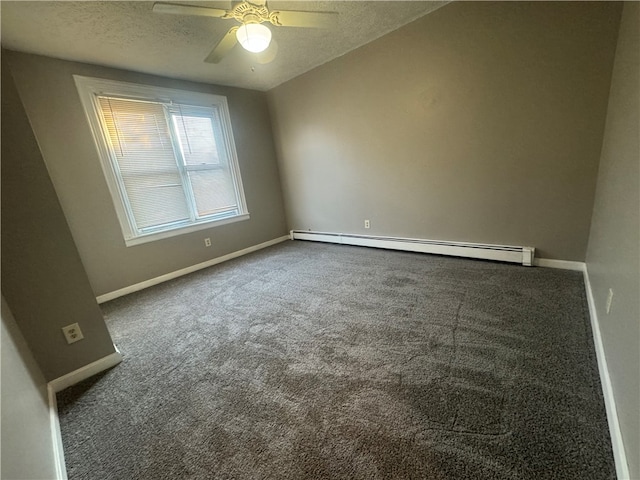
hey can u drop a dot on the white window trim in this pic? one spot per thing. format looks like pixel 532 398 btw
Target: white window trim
pixel 89 88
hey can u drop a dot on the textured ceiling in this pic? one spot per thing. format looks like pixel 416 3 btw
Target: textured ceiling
pixel 129 35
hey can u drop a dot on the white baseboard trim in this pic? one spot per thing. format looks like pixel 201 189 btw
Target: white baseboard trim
pixel 85 372
pixel 561 264
pixel 56 436
pixel 617 444
pixel 60 383
pixel 184 271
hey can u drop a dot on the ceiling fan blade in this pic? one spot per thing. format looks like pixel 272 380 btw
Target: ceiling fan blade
pixel 178 9
pixel 223 47
pixel 289 18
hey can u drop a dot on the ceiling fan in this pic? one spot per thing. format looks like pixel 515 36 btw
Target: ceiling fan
pixel 251 33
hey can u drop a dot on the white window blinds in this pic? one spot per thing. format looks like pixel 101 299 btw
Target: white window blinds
pixel 140 141
pixel 171 162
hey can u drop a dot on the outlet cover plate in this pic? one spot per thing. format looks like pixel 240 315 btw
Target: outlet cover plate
pixel 72 333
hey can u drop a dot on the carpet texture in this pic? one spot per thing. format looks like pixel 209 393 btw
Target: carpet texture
pixel 318 361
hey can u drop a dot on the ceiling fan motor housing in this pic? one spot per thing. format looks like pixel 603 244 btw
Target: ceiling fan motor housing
pixel 247 12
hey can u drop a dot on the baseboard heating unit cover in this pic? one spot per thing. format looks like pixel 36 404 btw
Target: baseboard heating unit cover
pixel 503 253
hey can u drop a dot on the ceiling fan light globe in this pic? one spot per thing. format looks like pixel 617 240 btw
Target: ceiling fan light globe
pixel 254 37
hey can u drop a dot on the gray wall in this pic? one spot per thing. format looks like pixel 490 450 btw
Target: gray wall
pixel 27 445
pixel 613 256
pixel 43 279
pixel 53 106
pixel 479 122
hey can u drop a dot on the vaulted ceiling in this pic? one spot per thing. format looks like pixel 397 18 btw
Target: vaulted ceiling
pixel 131 36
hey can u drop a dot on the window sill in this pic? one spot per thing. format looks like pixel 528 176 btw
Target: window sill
pixel 151 237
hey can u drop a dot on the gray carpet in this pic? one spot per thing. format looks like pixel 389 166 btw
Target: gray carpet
pixel 317 361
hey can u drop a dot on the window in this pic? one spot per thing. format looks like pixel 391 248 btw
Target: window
pixel 168 157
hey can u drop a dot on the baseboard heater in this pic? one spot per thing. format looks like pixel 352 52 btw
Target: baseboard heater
pixel 503 253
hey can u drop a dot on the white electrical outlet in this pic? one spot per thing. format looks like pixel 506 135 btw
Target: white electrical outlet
pixel 367 224
pixel 72 333
pixel 207 242
pixel 609 300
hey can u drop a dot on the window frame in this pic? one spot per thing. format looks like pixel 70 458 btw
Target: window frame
pixel 90 88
